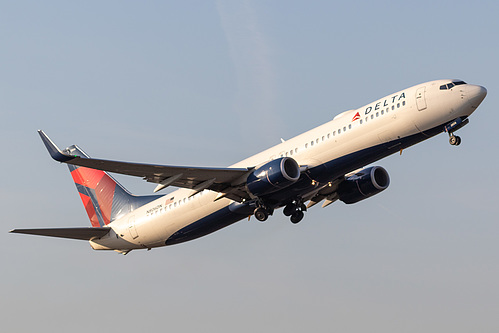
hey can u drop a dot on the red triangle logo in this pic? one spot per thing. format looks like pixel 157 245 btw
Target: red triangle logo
pixel 356 117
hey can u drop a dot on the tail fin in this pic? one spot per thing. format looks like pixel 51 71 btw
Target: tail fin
pixel 103 197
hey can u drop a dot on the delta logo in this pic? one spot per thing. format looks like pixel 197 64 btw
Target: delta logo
pixel 356 117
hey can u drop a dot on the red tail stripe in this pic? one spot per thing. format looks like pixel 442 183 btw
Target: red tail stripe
pixel 104 188
pixel 90 210
pixel 105 194
pixel 87 177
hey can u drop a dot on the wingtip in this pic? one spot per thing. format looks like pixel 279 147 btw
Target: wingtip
pixel 53 150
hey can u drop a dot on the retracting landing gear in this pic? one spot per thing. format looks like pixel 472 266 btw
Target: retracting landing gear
pixel 296 216
pixel 454 126
pixel 295 210
pixel 262 212
pixel 454 140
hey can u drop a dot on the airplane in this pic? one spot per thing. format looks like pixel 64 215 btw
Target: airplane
pixel 325 164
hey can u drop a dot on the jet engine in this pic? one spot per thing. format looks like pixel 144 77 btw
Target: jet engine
pixel 273 176
pixel 363 184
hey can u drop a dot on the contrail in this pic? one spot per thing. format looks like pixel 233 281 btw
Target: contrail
pixel 250 54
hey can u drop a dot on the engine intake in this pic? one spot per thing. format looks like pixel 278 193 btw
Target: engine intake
pixel 273 176
pixel 364 184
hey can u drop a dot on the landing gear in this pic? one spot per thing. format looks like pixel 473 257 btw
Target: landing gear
pixel 289 209
pixel 297 216
pixel 454 140
pixel 454 126
pixel 295 210
pixel 261 214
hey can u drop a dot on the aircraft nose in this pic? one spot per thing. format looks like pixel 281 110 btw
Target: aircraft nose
pixel 475 95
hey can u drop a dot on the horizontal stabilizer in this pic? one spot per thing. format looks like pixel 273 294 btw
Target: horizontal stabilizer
pixel 86 233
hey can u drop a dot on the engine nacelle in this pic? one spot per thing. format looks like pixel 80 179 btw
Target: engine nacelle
pixel 364 184
pixel 273 176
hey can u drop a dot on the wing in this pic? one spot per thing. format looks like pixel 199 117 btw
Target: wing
pixel 229 182
pixel 86 233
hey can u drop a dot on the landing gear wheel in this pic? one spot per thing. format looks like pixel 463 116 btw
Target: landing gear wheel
pixel 297 216
pixel 261 214
pixel 454 140
pixel 289 209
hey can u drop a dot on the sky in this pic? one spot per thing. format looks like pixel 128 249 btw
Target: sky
pixel 208 83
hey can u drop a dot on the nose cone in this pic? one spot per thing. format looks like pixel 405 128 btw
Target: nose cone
pixel 475 95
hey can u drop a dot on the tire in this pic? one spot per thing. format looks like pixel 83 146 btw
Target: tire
pixel 261 214
pixel 289 210
pixel 297 217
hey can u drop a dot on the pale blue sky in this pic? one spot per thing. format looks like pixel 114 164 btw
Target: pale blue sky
pixel 209 83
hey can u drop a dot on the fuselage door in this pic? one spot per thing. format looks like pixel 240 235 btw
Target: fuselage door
pixel 420 98
pixel 131 227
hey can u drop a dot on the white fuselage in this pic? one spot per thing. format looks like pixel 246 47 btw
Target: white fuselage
pixel 392 118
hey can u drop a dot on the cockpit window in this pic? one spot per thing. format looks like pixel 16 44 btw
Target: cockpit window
pixel 451 85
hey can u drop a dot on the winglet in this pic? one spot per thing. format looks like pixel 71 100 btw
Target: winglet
pixel 54 151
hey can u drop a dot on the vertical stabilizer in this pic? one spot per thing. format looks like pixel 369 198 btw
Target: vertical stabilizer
pixel 103 197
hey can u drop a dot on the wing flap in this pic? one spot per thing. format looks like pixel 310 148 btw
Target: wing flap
pixel 85 233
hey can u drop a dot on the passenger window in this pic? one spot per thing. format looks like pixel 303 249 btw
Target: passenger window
pixel 311 143
pixel 339 131
pixel 393 107
pixel 334 133
pixel 377 114
pixel 317 141
pixel 398 105
pixel 403 103
pixel 372 116
pixel 306 145
pixel 361 121
pixel 296 150
pixel 382 112
pixel 328 135
pixel 350 126
pixel 323 138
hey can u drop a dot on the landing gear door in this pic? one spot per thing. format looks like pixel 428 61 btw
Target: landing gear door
pixel 420 98
pixel 131 227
